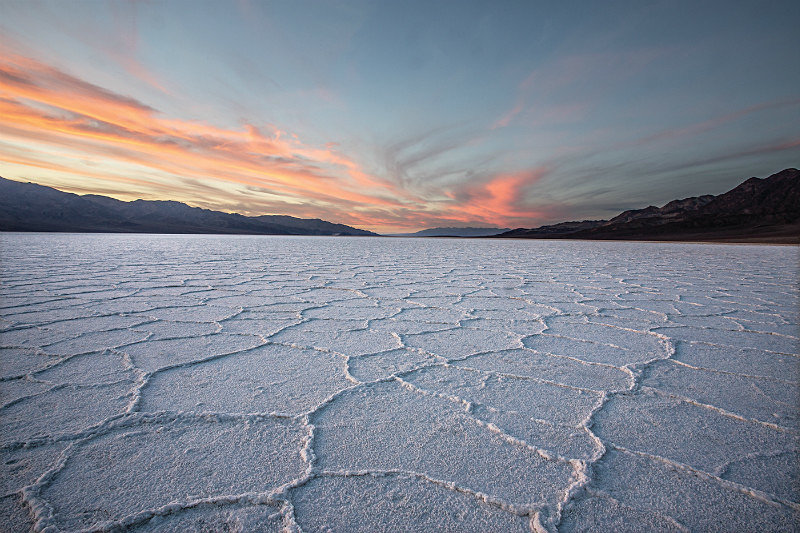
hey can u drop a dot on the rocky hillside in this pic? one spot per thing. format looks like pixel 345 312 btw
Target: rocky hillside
pixel 757 210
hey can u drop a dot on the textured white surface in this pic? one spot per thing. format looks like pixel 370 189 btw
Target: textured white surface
pixel 203 383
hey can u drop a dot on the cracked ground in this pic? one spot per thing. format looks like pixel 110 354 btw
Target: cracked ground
pixel 205 383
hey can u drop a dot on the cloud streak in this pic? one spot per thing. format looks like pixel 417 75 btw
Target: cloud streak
pixel 500 199
pixel 713 123
pixel 47 109
pixel 48 105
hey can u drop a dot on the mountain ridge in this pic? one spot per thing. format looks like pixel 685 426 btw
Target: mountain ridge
pixel 454 232
pixel 33 207
pixel 757 210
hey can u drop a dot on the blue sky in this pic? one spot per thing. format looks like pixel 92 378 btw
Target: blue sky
pixel 395 116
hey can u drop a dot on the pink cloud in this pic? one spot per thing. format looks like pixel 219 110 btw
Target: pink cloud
pixel 64 122
pixel 499 200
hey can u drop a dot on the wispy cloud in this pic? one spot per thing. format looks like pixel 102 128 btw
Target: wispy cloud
pixel 547 93
pixel 416 162
pixel 499 200
pixel 506 119
pixel 706 125
pixel 523 95
pixel 786 145
pixel 43 107
pixel 43 104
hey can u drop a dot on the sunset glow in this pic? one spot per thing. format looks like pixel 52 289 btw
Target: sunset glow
pixel 268 119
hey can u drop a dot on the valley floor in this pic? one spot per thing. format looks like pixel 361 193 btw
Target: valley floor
pixel 207 383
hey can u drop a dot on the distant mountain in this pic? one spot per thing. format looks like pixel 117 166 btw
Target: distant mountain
pixel 31 207
pixel 561 228
pixel 758 210
pixel 455 232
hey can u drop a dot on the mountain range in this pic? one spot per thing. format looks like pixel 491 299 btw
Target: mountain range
pixel 454 232
pixel 758 210
pixel 32 207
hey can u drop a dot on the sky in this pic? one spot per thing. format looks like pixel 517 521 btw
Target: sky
pixel 398 116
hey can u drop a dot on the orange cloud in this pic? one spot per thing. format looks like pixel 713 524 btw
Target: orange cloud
pixel 500 200
pixel 61 119
pixel 44 104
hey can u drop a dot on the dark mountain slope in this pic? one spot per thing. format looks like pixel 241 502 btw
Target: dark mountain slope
pixel 31 207
pixel 765 209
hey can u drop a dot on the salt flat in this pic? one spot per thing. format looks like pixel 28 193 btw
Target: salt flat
pixel 205 383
